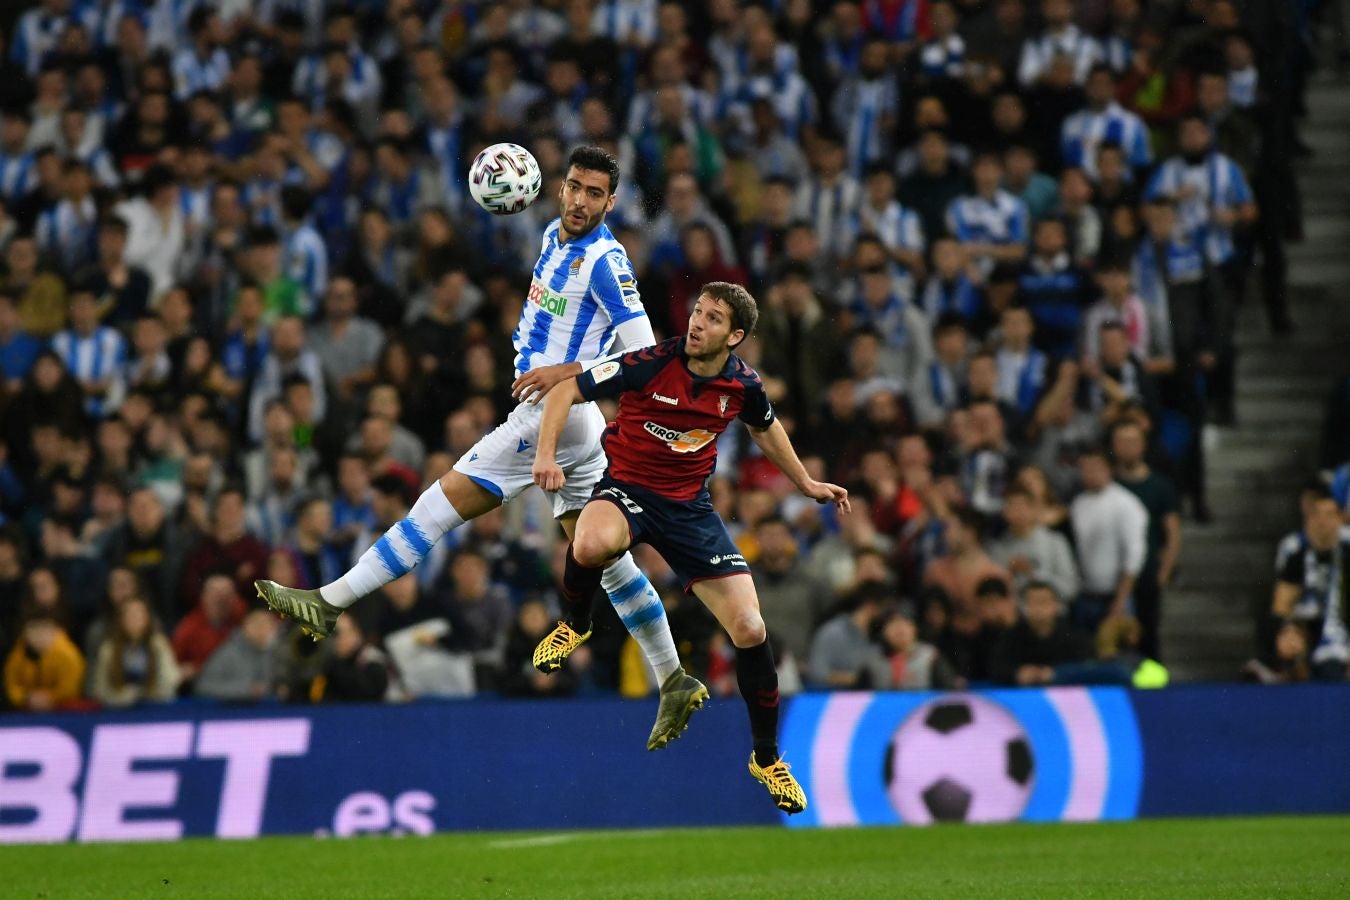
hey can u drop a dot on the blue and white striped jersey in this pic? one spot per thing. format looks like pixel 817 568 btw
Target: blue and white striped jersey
pixel 93 358
pixel 18 175
pixel 862 110
pixel 1040 51
pixel 581 291
pixel 1001 220
pixel 304 259
pixel 1216 183
pixel 1086 130
pixel 191 73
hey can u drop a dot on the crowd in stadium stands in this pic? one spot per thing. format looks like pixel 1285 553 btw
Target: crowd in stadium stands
pixel 248 311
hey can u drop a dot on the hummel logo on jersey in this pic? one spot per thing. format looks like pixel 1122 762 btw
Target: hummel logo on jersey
pixel 680 441
pixel 664 399
pixel 473 457
pixel 524 445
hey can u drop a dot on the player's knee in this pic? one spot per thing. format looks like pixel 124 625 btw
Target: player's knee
pixel 591 550
pixel 747 629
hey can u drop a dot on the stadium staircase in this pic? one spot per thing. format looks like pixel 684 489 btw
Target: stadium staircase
pixel 1255 470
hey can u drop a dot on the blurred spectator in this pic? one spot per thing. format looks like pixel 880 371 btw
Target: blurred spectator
pixel 1030 551
pixel 356 671
pixel 246 667
pixel 346 344
pixel 1310 589
pixel 153 547
pixel 41 295
pixel 45 670
pixel 156 230
pixel 959 572
pixel 792 600
pixel 993 225
pixel 842 656
pixel 215 616
pixel 18 349
pixel 519 677
pixel 1159 497
pixel 135 662
pixel 423 642
pixel 229 548
pixel 908 663
pixel 1110 529
pixel 1042 646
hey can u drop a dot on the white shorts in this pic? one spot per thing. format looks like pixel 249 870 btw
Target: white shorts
pixel 503 459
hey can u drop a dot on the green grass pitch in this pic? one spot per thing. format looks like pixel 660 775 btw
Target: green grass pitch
pixel 1219 858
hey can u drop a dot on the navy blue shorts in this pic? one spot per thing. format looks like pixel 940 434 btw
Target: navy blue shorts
pixel 689 535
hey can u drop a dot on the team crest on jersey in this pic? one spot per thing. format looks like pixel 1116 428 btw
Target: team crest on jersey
pixel 680 441
pixel 576 264
pixel 723 401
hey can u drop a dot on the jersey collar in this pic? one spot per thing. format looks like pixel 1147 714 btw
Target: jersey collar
pixel 728 370
pixel 597 232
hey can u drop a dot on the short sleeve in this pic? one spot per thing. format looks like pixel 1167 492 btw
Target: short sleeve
pixel 629 372
pixel 614 287
pixel 756 411
pixel 1289 568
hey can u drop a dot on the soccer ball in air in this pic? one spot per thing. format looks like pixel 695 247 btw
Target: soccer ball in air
pixel 504 179
pixel 959 758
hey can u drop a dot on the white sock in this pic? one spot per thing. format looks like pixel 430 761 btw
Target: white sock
pixel 639 606
pixel 402 547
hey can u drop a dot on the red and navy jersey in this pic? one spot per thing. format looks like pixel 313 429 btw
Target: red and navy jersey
pixel 665 436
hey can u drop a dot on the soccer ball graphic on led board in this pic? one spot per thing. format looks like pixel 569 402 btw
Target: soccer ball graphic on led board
pixel 959 759
pixel 504 179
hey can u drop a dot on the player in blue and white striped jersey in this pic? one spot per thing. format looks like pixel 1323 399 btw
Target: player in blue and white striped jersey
pixel 583 302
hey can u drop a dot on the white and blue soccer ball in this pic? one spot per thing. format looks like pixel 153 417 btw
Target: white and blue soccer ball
pixel 959 758
pixel 504 179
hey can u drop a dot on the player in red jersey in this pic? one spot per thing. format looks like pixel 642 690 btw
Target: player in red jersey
pixel 675 398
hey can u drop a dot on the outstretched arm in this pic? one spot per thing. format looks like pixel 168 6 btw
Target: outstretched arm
pixel 547 473
pixel 778 448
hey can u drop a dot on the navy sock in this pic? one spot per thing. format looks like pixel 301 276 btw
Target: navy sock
pixel 758 680
pixel 578 591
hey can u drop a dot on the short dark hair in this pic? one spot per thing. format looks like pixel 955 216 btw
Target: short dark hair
pixel 992 587
pixel 744 309
pixel 596 159
pixel 295 202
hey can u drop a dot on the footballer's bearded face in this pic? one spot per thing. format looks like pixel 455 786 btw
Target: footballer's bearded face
pixel 583 201
pixel 710 330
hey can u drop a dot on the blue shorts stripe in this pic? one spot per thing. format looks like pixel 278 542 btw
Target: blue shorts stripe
pixel 486 485
pixel 415 538
pixel 392 564
pixel 645 616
